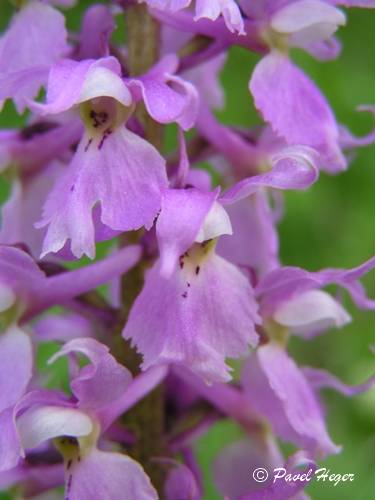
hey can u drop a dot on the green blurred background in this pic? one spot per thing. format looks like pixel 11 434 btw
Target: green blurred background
pixel 330 225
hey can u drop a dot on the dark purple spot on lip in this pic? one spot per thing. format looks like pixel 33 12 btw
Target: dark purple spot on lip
pixel 105 135
pixel 184 295
pixel 68 464
pixel 69 483
pixel 205 243
pixel 98 119
pixel 88 145
pixel 72 187
pixel 197 269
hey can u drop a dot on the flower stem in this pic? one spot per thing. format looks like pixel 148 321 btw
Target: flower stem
pixel 143 51
pixel 146 419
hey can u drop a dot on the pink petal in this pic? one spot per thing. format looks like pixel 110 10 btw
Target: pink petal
pixel 16 364
pixel 295 108
pixel 211 9
pixel 307 21
pixel 197 325
pixel 322 379
pixel 279 391
pixel 293 168
pixel 254 242
pixel 44 44
pixel 72 82
pixel 10 448
pixel 109 475
pixel 99 383
pixel 124 173
pixel 311 312
pixel 41 423
pixel 168 98
pixel 182 214
pixel 234 465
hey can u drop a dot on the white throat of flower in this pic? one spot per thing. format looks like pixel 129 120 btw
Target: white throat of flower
pixel 301 23
pixel 74 449
pixel 105 103
pixel 215 224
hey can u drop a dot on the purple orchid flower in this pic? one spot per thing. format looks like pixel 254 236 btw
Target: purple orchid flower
pixel 137 169
pixel 292 299
pixel 296 24
pixel 100 390
pixel 287 284
pixel 278 390
pixel 278 26
pixel 24 291
pixel 105 102
pixel 190 275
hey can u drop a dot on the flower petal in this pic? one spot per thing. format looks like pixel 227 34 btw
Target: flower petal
pixel 138 388
pixel 295 108
pixel 205 77
pixel 168 98
pixel 293 168
pixel 72 82
pixel 109 476
pixel 41 423
pixel 196 320
pixel 99 383
pixel 278 390
pixel 10 448
pixel 21 55
pixel 215 224
pixel 231 467
pixel 182 214
pixel 311 312
pixel 97 26
pixel 62 327
pixel 181 484
pixel 307 21
pixel 124 173
pixel 23 208
pixel 322 379
pixel 16 363
pixel 254 242
pixel 282 283
pixel 211 9
pixel 19 272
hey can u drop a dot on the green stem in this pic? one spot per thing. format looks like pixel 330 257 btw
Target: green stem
pixel 143 51
pixel 146 419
